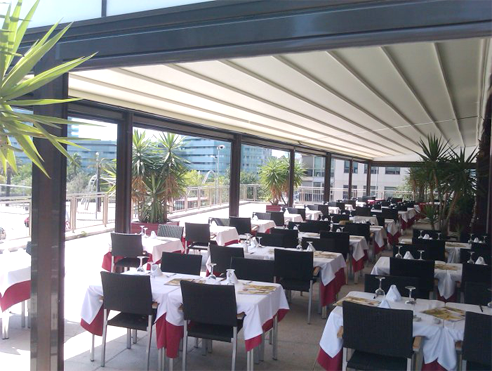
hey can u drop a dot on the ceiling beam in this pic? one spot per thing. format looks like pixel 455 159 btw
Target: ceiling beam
pixel 410 87
pixel 446 84
pixel 485 51
pixel 231 105
pixel 378 94
pixel 268 102
pixel 327 146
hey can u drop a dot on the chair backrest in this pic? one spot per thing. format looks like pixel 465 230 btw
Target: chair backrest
pixel 127 293
pixel 277 217
pixel 167 230
pixel 413 249
pixel 290 236
pixel 200 303
pixel 477 339
pixel 312 207
pixel 358 230
pixel 337 218
pixel 371 283
pixel 271 239
pixel 324 244
pixel 390 214
pixel 254 269
pixel 324 210
pixel 476 273
pixel 300 211
pixel 465 237
pixel 199 233
pixel 477 293
pixel 181 263
pixel 362 211
pixel 484 253
pixel 294 225
pixel 127 245
pixel 242 225
pixel 263 216
pixel 430 232
pixel 387 332
pixel 435 248
pixel 342 244
pixel 333 204
pixel 314 226
pixel 221 222
pixel 293 264
pixel 422 269
pixel 222 255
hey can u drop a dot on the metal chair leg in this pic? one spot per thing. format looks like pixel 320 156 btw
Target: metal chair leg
pixel 275 338
pixel 209 345
pixel 23 314
pixel 234 348
pixel 5 324
pixel 134 336
pixel 185 346
pixel 149 330
pixel 92 347
pixel 105 331
pixel 344 359
pixel 310 301
pixel 128 338
pixel 262 347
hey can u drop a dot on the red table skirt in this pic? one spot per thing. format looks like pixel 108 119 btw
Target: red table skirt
pixel 231 242
pixel 359 264
pixel 15 294
pixel 335 363
pixel 330 291
pixel 377 248
pixel 393 239
pixel 451 299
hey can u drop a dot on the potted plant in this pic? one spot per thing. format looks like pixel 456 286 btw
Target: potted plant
pixel 274 177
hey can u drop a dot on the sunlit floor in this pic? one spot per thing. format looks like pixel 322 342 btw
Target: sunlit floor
pixel 298 341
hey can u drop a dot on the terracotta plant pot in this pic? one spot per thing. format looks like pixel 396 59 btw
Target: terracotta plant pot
pixel 273 208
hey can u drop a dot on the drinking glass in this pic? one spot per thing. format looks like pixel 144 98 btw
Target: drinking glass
pixel 299 243
pixel 142 230
pixel 470 239
pixel 421 251
pixel 471 261
pixel 398 256
pixel 259 241
pixel 212 275
pixel 145 231
pixel 310 247
pixel 153 269
pixel 410 299
pixel 141 258
pixel 421 234
pixel 380 291
pixel 341 228
pixel 439 235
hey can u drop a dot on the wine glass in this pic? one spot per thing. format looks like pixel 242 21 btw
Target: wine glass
pixel 299 244
pixel 421 251
pixel 471 261
pixel 439 235
pixel 142 230
pixel 153 270
pixel 145 231
pixel 410 300
pixel 398 255
pixel 259 241
pixel 212 275
pixel 421 234
pixel 140 267
pixel 470 239
pixel 380 291
pixel 341 228
pixel 310 247
pixel 489 304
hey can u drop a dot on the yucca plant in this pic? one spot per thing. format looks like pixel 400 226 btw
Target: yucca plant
pixel 16 82
pixel 274 177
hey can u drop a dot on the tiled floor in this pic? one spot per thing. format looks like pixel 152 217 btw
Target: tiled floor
pixel 298 341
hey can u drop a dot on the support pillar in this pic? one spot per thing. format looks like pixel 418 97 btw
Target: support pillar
pixel 292 161
pixel 235 181
pixel 351 170
pixel 123 212
pixel 327 184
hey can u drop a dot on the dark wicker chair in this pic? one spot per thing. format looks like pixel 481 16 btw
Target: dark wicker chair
pixel 197 236
pixel 477 293
pixel 290 236
pixel 477 354
pixel 371 284
pixel 253 269
pixel 271 239
pixel 181 263
pixel 222 255
pixel 422 269
pixel 128 246
pixel 167 230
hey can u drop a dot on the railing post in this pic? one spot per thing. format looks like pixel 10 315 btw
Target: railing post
pixel 198 197
pixel 255 192
pixel 73 213
pixel 186 200
pixel 105 209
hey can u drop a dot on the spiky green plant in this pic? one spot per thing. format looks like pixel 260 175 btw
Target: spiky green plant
pixel 16 82
pixel 274 177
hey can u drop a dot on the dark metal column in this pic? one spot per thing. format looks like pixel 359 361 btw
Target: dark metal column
pixel 235 181
pixel 489 209
pixel 123 212
pixel 327 185
pixel 292 161
pixel 48 235
pixel 368 181
pixel 351 170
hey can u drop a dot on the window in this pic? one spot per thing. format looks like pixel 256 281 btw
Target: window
pixel 391 170
pixel 374 169
pixel 346 167
pixel 311 188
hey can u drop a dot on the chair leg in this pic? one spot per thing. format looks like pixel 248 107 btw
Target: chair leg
pixel 209 346
pixel 185 345
pixel 409 364
pixel 463 365
pixel 344 359
pixel 196 342
pixel 275 338
pixel 105 331
pixel 319 300
pixel 92 347
pixel 262 347
pixel 134 336
pixel 5 324
pixel 310 301
pixel 128 338
pixel 150 340
pixel 23 314
pixel 234 348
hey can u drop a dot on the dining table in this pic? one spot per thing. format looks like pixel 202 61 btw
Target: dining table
pixel 296 218
pixel 453 249
pixel 439 336
pixel 447 275
pixel 154 246
pixel 224 235
pixel 15 284
pixel 262 226
pixel 262 311
pixel 313 214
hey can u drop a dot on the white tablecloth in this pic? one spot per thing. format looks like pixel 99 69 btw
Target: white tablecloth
pixel 15 267
pixel 452 249
pixel 334 209
pixel 364 219
pixel 224 235
pixel 263 225
pixel 297 218
pixel 258 309
pixel 156 246
pixel 313 214
pixel 446 278
pixel 379 234
pixel 438 340
pixel 391 226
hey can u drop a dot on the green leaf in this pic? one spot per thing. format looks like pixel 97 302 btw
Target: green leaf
pixel 4 39
pixel 40 102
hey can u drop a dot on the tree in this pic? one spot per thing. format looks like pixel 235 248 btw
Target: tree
pixel 74 165
pixel 274 177
pixel 16 83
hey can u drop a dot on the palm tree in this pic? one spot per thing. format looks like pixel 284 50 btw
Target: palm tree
pixel 274 177
pixel 74 165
